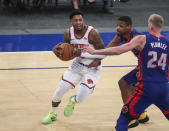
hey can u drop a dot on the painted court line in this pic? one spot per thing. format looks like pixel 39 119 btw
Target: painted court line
pixel 44 68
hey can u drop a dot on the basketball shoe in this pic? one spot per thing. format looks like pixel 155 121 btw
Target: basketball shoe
pixel 142 119
pixel 133 123
pixel 69 108
pixel 49 118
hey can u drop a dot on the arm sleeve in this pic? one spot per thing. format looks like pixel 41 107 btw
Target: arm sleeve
pixel 87 55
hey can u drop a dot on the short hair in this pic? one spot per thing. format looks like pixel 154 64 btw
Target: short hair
pixel 126 19
pixel 75 12
pixel 156 20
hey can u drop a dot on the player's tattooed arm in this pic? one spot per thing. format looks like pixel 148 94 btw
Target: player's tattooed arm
pixel 95 39
pixel 115 42
pixel 67 36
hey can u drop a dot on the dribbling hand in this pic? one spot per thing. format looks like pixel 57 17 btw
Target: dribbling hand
pixel 56 50
pixel 76 52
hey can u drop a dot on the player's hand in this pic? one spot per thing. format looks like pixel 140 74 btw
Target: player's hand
pixel 56 50
pixel 88 49
pixel 76 52
pixel 95 63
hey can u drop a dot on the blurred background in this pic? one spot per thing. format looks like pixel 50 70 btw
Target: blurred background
pixel 38 25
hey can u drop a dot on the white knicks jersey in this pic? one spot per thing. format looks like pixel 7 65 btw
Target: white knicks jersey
pixel 79 43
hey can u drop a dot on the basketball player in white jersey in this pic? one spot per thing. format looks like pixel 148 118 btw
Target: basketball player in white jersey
pixel 80 71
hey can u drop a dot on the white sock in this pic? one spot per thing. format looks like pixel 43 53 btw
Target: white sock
pixel 73 99
pixel 53 109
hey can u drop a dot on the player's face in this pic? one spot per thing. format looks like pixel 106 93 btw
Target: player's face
pixel 77 22
pixel 122 28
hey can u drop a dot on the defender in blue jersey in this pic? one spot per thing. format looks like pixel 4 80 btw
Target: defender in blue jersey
pixel 153 85
pixel 127 83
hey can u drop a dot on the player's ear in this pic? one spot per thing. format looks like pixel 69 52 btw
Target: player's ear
pixel 150 26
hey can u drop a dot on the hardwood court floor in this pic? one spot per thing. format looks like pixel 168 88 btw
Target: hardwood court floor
pixel 25 95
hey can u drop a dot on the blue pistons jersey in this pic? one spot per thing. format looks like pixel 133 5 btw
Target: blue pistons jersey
pixel 133 32
pixel 153 59
pixel 131 78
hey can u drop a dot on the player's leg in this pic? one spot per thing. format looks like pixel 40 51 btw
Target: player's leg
pixel 133 107
pixel 82 94
pixel 127 86
pixel 89 81
pixel 87 85
pixel 163 102
pixel 122 123
pixel 68 81
pixel 126 89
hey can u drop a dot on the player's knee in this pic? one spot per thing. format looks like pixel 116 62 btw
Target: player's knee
pixel 66 85
pixel 83 93
pixel 121 84
pixel 61 90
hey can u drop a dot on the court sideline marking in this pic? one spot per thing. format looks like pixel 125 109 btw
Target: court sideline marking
pixel 42 68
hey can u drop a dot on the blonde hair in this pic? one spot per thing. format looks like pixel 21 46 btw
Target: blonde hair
pixel 156 20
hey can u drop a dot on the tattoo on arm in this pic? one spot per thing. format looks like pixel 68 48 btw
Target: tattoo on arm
pixel 95 39
pixel 67 36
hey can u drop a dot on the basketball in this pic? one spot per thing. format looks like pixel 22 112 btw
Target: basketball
pixel 64 51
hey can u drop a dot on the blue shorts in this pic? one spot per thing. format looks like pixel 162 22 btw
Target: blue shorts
pixel 146 93
pixel 131 77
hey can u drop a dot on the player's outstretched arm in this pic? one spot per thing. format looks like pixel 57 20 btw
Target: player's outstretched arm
pixel 137 42
pixel 96 42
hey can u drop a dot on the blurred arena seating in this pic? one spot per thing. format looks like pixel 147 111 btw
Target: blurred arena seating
pixel 28 4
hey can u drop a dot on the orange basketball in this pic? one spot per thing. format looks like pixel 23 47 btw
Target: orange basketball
pixel 64 51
